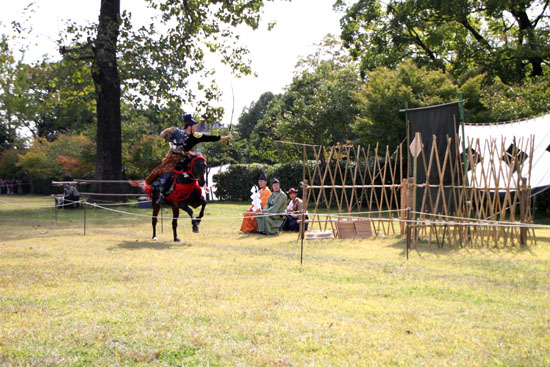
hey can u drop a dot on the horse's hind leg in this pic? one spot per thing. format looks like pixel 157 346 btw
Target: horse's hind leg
pixel 156 209
pixel 175 216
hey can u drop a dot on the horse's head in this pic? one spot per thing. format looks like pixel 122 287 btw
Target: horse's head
pixel 198 169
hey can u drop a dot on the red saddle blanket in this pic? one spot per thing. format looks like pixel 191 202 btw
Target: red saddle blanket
pixel 184 185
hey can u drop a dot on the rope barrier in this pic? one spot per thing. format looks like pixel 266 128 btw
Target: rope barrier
pixel 472 222
pixel 27 206
pixel 104 194
pixel 124 204
pixel 448 223
pixel 68 202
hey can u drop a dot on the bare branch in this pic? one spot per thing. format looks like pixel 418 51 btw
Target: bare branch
pixel 536 21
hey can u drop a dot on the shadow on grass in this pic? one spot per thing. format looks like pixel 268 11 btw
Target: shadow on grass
pixel 422 248
pixel 446 250
pixel 138 245
pixel 246 235
pixel 543 238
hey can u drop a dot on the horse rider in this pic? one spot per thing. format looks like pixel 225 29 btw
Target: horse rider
pixel 182 140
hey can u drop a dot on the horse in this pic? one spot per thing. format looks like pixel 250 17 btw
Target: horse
pixel 185 195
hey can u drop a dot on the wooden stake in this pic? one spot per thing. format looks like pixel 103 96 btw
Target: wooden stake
pixel 523 210
pixel 84 213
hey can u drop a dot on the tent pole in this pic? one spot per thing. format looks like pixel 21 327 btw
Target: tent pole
pixel 465 176
pixel 408 138
pixel 461 109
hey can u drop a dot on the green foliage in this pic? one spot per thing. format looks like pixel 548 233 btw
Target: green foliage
pixel 253 114
pixel 67 156
pixel 472 86
pixel 142 148
pixel 8 163
pixel 508 39
pixel 14 83
pixel 140 158
pixel 262 145
pixel 387 91
pixel 515 102
pixel 317 107
pixel 63 98
pixel 223 152
pixel 158 61
pixel 235 183
pixel 44 98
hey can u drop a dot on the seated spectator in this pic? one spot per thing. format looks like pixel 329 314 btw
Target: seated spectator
pixel 71 196
pixel 273 216
pixel 11 186
pixel 250 225
pixel 294 209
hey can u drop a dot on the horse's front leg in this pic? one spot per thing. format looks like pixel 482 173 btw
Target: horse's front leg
pixel 175 215
pixel 189 211
pixel 201 214
pixel 156 209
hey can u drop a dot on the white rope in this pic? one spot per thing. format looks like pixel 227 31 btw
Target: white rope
pixel 425 222
pixel 34 207
pixel 123 204
pixel 158 217
pixel 463 224
pixel 453 217
pixel 467 221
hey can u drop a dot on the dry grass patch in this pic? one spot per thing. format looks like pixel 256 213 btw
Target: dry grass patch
pixel 114 297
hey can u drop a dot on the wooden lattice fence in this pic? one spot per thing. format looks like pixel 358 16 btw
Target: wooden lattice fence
pixel 485 206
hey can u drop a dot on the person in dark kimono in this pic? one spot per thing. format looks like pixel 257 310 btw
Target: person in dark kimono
pixel 272 216
pixel 294 209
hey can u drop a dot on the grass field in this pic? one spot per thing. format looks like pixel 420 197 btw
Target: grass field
pixel 221 298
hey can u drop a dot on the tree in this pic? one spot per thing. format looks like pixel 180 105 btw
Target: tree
pixel 158 64
pixel 317 108
pixel 107 87
pixel 67 156
pixel 387 90
pixel 510 102
pixel 106 79
pixel 14 75
pixel 505 38
pixel 61 97
pixel 253 114
pixel 8 163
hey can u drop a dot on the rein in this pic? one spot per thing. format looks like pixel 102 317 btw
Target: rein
pixel 191 166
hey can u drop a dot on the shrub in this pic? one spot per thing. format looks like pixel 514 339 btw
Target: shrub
pixel 235 183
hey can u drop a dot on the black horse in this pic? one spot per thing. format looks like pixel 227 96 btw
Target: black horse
pixel 192 197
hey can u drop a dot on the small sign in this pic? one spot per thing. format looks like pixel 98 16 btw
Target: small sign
pixel 416 146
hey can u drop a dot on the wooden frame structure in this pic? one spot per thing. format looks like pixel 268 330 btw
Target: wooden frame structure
pixel 485 204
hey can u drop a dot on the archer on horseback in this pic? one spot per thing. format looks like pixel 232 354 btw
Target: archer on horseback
pixel 182 140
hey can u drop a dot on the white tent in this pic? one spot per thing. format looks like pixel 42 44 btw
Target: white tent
pixel 211 185
pixel 495 140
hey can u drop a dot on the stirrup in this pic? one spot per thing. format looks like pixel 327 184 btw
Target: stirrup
pixel 160 199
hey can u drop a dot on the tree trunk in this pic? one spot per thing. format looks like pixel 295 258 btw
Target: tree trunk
pixel 527 29
pixel 107 86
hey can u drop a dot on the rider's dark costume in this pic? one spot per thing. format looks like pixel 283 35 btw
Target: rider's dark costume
pixel 180 151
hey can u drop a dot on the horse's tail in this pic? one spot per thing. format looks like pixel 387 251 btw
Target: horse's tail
pixel 137 183
pixel 141 183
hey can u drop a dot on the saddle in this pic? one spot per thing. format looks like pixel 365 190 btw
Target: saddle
pixel 182 186
pixel 178 183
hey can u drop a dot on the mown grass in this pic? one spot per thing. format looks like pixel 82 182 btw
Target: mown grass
pixel 221 298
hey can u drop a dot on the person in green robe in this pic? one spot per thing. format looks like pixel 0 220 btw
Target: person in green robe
pixel 269 224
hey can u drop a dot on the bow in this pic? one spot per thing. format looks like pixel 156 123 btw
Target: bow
pixel 232 109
